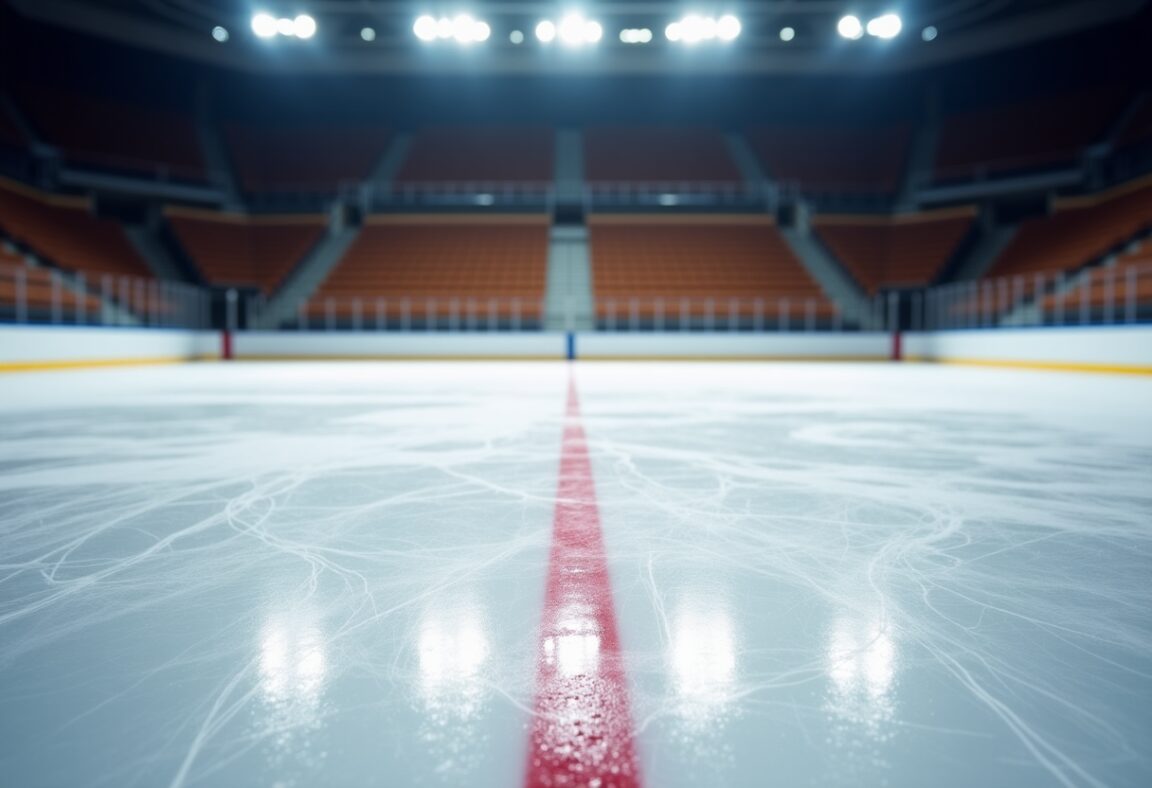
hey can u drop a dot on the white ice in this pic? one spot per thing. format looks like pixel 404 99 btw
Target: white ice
pixel 332 574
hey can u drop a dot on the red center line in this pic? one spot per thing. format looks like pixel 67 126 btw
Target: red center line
pixel 582 727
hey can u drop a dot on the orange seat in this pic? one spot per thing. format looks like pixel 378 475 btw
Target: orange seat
pixel 652 269
pixel 257 252
pixel 421 268
pixel 897 251
pixel 1079 231
pixel 64 231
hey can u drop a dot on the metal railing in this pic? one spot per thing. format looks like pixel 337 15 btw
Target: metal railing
pixel 1104 295
pixel 677 193
pixel 407 313
pixel 49 296
pixel 678 313
pixel 455 193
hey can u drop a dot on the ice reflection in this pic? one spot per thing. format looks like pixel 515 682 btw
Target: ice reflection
pixel 861 661
pixel 574 648
pixel 453 647
pixel 702 657
pixel 293 664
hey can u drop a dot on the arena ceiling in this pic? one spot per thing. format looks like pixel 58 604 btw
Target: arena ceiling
pixel 959 29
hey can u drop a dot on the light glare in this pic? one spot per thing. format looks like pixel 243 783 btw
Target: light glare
pixel 693 29
pixel 286 27
pixel 546 31
pixel 220 34
pixel 850 27
pixel 305 26
pixel 575 30
pixel 728 28
pixel 368 34
pixel 787 34
pixel 463 29
pixel 264 25
pixel 929 33
pixel 636 35
pixel 572 30
pixel 425 28
pixel 886 26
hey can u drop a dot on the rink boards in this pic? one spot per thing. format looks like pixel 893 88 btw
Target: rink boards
pixel 1091 348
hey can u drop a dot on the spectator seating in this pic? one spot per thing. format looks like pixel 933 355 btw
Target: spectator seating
pixel 892 251
pixel 658 155
pixel 1138 129
pixel 10 134
pixel 1033 134
pixel 657 266
pixel 245 251
pixel 319 158
pixel 833 159
pixel 114 135
pixel 426 268
pixel 479 155
pixel 43 294
pixel 1080 230
pixel 63 230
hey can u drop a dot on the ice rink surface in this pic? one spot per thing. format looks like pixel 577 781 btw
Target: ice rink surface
pixel 334 574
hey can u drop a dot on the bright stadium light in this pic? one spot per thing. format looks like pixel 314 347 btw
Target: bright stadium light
pixel 305 26
pixel 886 26
pixel 850 27
pixel 264 25
pixel 693 29
pixel 787 33
pixel 571 30
pixel 286 27
pixel 640 35
pixel 425 28
pixel 546 31
pixel 464 29
pixel 220 34
pixel 728 28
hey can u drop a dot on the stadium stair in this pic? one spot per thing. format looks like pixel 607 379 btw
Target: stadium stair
pixel 568 302
pixel 568 168
pixel 921 160
pixel 217 162
pixel 746 160
pixel 989 245
pixel 831 276
pixel 384 173
pixel 145 239
pixel 309 274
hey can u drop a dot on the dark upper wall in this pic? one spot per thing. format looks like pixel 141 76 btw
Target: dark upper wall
pixel 31 52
